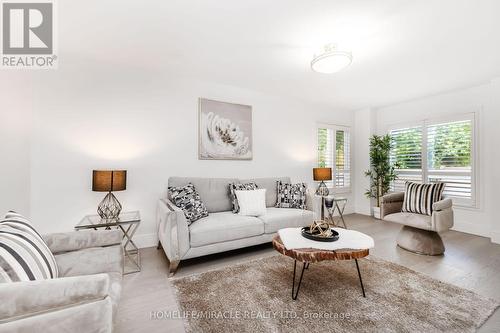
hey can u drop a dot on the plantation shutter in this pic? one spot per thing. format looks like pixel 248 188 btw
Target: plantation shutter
pixel 406 156
pixel 449 157
pixel 342 159
pixel 333 144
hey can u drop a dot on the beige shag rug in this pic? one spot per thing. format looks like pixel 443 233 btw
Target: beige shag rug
pixel 256 297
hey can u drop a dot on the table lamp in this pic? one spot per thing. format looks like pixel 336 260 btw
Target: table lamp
pixel 322 174
pixel 109 181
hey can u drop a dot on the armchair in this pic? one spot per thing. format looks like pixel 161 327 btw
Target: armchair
pixel 87 290
pixel 420 233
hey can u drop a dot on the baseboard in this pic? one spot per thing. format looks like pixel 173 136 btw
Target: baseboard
pixel 146 240
pixel 495 237
pixel 472 228
pixel 363 211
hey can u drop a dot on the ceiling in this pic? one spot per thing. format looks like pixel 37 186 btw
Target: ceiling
pixel 402 49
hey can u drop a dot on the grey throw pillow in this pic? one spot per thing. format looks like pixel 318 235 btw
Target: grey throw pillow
pixel 187 199
pixel 291 195
pixel 239 187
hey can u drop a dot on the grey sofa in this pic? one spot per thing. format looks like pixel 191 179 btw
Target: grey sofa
pixel 222 230
pixel 420 233
pixel 85 296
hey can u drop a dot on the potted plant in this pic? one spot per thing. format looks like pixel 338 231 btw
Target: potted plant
pixel 382 173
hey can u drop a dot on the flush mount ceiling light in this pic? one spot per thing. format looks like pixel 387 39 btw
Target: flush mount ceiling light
pixel 331 60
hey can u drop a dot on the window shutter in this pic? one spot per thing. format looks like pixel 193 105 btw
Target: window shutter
pixel 342 159
pixel 334 152
pixel 406 155
pixel 449 157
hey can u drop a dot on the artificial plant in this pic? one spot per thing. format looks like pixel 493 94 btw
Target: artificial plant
pixel 382 173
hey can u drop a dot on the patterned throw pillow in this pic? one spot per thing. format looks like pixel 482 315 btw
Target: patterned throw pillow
pixel 291 195
pixel 239 187
pixel 187 199
pixel 24 256
pixel 420 197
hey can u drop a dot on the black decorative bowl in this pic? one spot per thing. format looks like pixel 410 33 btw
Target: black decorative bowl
pixel 314 236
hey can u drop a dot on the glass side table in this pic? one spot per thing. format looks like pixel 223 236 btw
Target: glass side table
pixel 338 204
pixel 127 222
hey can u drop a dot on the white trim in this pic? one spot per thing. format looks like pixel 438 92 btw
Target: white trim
pixel 495 237
pixel 347 129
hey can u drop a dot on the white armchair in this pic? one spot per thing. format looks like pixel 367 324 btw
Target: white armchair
pixel 420 232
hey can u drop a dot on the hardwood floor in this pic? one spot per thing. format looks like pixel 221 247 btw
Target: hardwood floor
pixel 470 262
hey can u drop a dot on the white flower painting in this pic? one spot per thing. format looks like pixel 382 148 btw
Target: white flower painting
pixel 225 131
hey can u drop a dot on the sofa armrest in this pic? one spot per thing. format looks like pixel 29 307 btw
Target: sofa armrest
pixel 393 197
pixel 391 203
pixel 173 230
pixel 78 240
pixel 442 218
pixel 442 204
pixel 30 298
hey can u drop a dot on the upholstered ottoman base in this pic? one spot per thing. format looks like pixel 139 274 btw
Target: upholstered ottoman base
pixel 420 241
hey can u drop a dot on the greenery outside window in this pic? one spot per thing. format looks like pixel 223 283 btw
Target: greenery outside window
pixel 437 150
pixel 333 148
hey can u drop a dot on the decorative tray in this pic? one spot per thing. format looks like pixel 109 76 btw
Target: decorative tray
pixel 315 235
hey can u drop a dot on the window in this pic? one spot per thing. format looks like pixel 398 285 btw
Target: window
pixel 334 152
pixel 437 151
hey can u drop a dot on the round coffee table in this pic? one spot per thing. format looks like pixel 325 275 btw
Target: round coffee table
pixel 307 256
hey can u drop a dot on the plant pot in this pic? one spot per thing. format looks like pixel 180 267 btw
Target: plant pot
pixel 376 212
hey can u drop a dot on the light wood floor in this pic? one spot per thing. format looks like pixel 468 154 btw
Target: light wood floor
pixel 470 262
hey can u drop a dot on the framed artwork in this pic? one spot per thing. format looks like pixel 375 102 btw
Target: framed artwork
pixel 225 131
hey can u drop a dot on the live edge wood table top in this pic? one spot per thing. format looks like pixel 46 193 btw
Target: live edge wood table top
pixel 316 255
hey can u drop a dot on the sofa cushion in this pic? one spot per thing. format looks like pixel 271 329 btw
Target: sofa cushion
pixel 214 192
pixel 411 219
pixel 92 260
pixel 270 185
pixel 187 198
pixel 223 227
pixel 279 218
pixel 24 256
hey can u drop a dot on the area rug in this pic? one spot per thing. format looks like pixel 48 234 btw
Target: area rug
pixel 256 297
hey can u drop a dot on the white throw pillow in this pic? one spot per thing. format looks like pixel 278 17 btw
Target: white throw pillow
pixel 252 202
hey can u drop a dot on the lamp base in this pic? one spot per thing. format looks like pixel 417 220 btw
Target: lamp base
pixel 109 208
pixel 322 189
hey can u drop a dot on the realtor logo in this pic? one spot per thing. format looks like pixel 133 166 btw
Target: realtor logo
pixel 28 35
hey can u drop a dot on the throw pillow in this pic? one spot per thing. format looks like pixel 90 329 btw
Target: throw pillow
pixel 420 197
pixel 252 202
pixel 291 195
pixel 24 256
pixel 187 199
pixel 239 187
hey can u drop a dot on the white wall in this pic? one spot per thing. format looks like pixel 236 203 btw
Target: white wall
pixel 85 121
pixel 364 127
pixel 484 100
pixel 15 127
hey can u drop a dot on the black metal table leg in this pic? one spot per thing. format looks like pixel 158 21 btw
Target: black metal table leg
pixel 295 293
pixel 360 280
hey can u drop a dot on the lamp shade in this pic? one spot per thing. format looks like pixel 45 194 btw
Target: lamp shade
pixel 322 174
pixel 109 180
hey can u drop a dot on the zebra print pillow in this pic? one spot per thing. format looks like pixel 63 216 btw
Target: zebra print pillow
pixel 188 199
pixel 239 187
pixel 291 195
pixel 24 256
pixel 420 197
